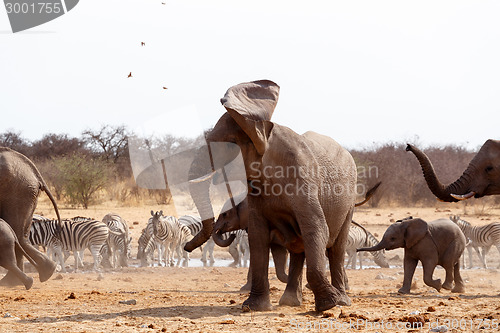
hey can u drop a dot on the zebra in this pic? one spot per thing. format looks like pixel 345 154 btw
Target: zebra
pixel 146 244
pixel 484 236
pixel 118 242
pixel 74 236
pixel 239 248
pixel 166 232
pixel 358 238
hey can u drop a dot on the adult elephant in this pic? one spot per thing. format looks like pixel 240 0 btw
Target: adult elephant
pixel 20 185
pixel 480 178
pixel 301 185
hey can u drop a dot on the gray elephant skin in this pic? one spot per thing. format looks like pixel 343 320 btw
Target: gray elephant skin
pixel 8 246
pixel 480 178
pixel 20 185
pixel 235 218
pixel 439 242
pixel 314 209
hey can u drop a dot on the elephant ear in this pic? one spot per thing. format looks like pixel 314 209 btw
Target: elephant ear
pixel 252 105
pixel 416 229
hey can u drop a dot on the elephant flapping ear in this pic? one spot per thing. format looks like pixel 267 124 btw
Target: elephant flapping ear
pixel 415 230
pixel 252 105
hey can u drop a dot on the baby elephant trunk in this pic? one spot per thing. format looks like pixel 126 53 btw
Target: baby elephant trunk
pixel 219 239
pixel 377 247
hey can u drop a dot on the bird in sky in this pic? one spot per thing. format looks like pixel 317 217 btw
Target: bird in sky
pixel 130 74
pixel 143 44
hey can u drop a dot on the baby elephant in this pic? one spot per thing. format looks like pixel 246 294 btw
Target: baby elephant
pixel 439 242
pixel 8 245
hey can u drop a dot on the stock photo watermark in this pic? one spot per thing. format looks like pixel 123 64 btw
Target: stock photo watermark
pixel 436 325
pixel 26 14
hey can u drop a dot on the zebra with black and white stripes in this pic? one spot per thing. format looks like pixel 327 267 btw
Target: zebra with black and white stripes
pixel 146 245
pixel 358 238
pixel 484 236
pixel 119 241
pixel 74 236
pixel 166 233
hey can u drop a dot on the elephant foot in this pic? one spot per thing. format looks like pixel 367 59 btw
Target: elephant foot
pixel 256 303
pixel 404 290
pixel 458 289
pixel 28 283
pixel 291 298
pixel 447 285
pixel 46 271
pixel 10 280
pixel 332 297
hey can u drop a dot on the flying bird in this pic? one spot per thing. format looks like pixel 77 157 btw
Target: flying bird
pixel 165 88
pixel 143 44
pixel 130 74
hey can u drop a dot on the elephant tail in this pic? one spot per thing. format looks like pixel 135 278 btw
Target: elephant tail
pixel 369 194
pixel 45 188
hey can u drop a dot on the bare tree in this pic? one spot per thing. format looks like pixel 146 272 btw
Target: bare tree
pixel 109 141
pixel 15 141
pixel 53 145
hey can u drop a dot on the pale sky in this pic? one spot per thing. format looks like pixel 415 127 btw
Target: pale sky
pixel 358 71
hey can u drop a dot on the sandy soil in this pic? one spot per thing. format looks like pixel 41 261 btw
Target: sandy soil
pixel 207 299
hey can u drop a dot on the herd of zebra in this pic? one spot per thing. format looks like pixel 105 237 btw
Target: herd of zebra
pixel 110 243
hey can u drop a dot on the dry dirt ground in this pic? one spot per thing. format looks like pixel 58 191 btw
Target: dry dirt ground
pixel 207 299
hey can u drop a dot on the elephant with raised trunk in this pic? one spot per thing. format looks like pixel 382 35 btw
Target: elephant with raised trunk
pixel 312 210
pixel 439 242
pixel 480 178
pixel 20 185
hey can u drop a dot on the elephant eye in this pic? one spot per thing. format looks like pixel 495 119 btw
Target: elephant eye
pixel 489 169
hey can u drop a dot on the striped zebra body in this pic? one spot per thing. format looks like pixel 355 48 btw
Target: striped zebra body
pixel 484 236
pixel 119 241
pixel 147 245
pixel 75 236
pixel 357 238
pixel 166 233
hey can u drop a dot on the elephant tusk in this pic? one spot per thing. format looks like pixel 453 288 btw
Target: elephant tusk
pixel 464 196
pixel 203 178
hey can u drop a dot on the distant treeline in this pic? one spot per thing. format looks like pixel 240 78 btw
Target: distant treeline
pixel 96 167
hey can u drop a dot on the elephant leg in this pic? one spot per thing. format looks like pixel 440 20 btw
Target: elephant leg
pixel 293 291
pixel 279 257
pixel 248 286
pixel 258 237
pixel 429 266
pixel 459 283
pixel 409 265
pixel 448 281
pixel 336 261
pixel 12 267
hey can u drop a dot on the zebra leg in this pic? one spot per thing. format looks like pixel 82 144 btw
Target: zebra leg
pixel 96 253
pixel 233 251
pixel 469 250
pixel 485 251
pixel 459 283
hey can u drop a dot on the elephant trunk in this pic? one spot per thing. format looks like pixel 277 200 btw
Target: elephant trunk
pixel 219 240
pixel 455 191
pixel 199 187
pixel 378 247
